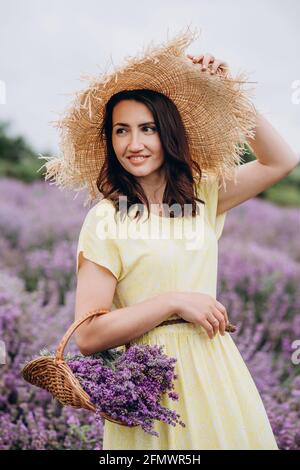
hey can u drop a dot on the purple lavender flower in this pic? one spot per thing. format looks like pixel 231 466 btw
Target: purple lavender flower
pixel 131 390
pixel 258 283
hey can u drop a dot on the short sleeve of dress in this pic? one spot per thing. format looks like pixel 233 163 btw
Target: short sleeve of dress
pixel 209 189
pixel 95 242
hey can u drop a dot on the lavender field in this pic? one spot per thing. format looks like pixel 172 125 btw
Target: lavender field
pixel 259 273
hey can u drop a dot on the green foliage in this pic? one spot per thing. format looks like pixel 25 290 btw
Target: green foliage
pixel 248 155
pixel 17 158
pixel 284 193
pixel 287 191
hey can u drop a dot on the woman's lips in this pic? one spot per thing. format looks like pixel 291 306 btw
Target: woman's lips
pixel 138 160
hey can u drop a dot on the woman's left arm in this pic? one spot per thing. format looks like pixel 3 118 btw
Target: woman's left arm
pixel 275 158
pixel 270 148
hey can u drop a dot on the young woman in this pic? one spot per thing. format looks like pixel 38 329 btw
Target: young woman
pixel 168 131
pixel 151 280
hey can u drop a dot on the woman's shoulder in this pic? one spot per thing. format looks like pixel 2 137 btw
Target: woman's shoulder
pixel 102 211
pixel 102 206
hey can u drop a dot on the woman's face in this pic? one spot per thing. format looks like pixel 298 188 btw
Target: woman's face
pixel 138 137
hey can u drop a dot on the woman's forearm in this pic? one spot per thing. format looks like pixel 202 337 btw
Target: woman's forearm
pixel 120 326
pixel 270 148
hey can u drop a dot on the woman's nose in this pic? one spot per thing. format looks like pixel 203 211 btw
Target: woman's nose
pixel 135 143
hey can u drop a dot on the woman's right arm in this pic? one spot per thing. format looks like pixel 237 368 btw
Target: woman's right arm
pixel 95 289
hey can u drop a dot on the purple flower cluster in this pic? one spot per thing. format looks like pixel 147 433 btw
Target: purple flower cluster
pixel 131 389
pixel 259 269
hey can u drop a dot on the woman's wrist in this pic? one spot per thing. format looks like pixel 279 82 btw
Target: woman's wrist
pixel 171 301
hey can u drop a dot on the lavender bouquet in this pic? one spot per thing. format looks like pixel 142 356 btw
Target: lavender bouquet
pixel 129 385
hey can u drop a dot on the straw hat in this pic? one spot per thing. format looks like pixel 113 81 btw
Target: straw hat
pixel 217 114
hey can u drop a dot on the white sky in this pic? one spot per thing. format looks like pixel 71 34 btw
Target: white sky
pixel 46 45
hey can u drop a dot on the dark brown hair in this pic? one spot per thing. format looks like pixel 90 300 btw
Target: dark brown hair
pixel 114 181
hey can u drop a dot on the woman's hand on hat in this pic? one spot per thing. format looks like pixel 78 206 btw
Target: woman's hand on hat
pixel 209 61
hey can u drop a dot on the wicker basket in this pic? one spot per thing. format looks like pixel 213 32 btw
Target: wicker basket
pixel 54 375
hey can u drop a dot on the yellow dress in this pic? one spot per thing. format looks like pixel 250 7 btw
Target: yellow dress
pixel 218 398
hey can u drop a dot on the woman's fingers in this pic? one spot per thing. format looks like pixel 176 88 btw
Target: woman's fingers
pixel 217 321
pixel 206 60
pixel 222 322
pixel 208 328
pixel 214 321
pixel 215 66
pixel 209 61
pixel 195 58
pixel 222 310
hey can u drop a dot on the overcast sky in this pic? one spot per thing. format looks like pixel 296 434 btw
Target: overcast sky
pixel 46 45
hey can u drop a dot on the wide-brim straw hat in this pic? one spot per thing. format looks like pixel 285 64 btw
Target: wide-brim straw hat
pixel 216 111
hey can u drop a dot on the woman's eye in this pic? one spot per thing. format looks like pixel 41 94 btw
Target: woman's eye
pixel 146 127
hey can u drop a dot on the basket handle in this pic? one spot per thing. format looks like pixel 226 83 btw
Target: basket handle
pixel 61 347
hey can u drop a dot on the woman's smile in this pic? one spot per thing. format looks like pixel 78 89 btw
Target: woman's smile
pixel 138 160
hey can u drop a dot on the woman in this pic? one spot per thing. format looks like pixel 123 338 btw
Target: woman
pixel 151 279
